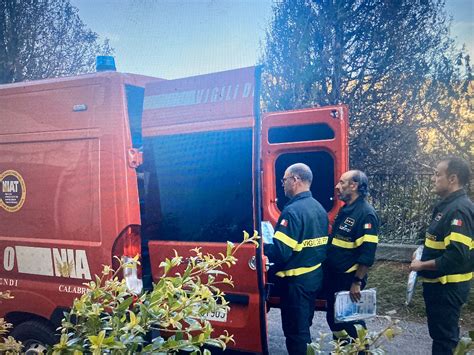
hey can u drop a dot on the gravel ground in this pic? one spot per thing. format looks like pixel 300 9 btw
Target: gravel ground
pixel 414 339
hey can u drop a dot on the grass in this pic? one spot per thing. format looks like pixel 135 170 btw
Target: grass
pixel 390 279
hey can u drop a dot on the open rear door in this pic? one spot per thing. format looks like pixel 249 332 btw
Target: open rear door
pixel 199 148
pixel 316 137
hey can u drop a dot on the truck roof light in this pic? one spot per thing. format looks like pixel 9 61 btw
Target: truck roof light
pixel 105 63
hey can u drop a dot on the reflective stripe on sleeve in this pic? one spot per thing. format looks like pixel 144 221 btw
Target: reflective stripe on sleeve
pixel 352 268
pixel 282 237
pixel 449 278
pixel 297 271
pixel 311 243
pixel 434 245
pixel 455 237
pixel 357 243
pixel 460 238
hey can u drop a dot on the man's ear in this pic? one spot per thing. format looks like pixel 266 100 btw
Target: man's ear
pixel 453 179
pixel 354 185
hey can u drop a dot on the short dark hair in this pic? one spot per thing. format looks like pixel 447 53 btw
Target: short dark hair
pixel 459 167
pixel 303 171
pixel 362 182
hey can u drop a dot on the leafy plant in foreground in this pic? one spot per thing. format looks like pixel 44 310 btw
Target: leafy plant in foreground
pixel 366 342
pixel 8 345
pixel 109 318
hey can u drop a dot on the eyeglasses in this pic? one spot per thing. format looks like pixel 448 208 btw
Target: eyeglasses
pixel 286 178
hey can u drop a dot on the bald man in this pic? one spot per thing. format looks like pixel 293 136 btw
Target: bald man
pixel 299 249
pixel 351 249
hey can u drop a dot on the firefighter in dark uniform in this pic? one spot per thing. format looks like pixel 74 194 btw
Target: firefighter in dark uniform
pixel 445 267
pixel 298 250
pixel 351 249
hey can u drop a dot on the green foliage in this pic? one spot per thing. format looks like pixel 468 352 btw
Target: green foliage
pixel 465 345
pixel 367 342
pixel 393 63
pixel 45 39
pixel 404 204
pixel 109 318
pixel 8 345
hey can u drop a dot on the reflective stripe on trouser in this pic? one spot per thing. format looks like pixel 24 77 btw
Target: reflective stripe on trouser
pixel 443 307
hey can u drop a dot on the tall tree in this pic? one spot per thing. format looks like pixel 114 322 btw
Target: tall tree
pixel 392 62
pixel 44 39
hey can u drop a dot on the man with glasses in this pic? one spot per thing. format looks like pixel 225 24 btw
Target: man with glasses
pixel 351 249
pixel 298 250
pixel 447 261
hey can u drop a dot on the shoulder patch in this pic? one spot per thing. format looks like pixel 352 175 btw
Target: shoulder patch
pixel 367 225
pixel 456 222
pixel 284 223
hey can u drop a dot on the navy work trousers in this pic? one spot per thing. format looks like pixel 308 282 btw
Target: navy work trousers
pixel 297 311
pixel 443 308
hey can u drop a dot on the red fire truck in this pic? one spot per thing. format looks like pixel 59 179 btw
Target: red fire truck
pixel 110 164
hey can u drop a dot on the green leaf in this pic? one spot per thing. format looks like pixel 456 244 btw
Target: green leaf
pixel 471 334
pixel 361 332
pixel 230 247
pixel 125 304
pixel 389 333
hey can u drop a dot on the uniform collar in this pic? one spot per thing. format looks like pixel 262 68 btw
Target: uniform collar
pixel 352 206
pixel 300 196
pixel 452 196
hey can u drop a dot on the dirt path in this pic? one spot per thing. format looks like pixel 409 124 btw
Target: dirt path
pixel 414 339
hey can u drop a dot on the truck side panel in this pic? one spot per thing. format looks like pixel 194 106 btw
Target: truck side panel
pixel 67 140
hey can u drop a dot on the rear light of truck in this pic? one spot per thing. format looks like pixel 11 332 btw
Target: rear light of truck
pixel 126 247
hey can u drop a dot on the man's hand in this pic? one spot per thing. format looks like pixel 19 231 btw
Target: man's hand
pixel 355 292
pixel 416 265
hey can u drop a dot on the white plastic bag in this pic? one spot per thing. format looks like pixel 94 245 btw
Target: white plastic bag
pixel 345 310
pixel 412 277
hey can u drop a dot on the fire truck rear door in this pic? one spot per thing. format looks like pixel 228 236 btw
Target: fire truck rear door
pixel 198 173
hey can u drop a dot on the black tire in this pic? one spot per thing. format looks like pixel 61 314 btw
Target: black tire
pixel 35 336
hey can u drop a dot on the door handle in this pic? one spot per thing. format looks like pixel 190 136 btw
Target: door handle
pixel 268 264
pixel 252 263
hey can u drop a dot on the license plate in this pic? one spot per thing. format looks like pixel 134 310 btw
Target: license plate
pixel 217 316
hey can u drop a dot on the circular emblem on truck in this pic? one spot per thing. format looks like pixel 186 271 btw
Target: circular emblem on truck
pixel 12 191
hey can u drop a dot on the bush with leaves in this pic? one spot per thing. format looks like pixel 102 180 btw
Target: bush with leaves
pixel 8 345
pixel 366 342
pixel 110 318
pixel 404 203
pixel 465 345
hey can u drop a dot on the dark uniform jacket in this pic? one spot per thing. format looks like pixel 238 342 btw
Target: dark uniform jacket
pixel 300 237
pixel 449 240
pixel 353 239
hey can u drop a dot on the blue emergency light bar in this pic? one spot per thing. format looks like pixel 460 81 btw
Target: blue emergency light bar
pixel 105 63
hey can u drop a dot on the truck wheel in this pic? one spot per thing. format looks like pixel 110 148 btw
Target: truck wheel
pixel 35 335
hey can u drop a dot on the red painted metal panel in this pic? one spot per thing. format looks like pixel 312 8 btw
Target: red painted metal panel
pixel 80 191
pixel 243 320
pixel 206 100
pixel 336 117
